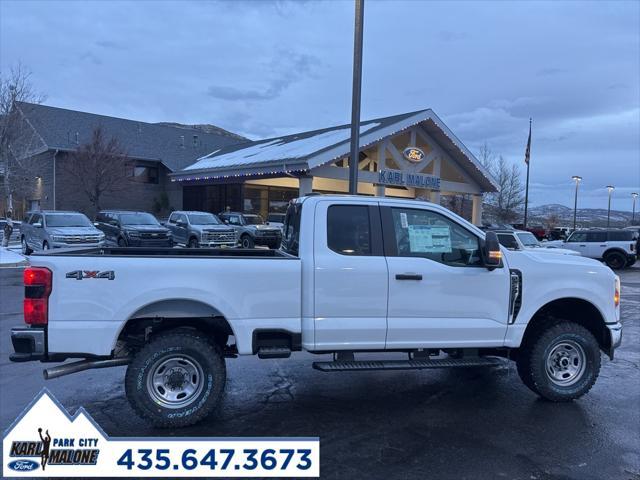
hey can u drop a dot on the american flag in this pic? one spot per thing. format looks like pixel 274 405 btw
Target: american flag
pixel 527 154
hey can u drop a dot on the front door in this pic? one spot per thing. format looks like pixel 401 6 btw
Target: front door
pixel 440 294
pixel 350 275
pixel 578 242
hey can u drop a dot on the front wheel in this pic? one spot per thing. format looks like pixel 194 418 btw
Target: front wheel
pixel 615 260
pixel 562 363
pixel 45 246
pixel 193 243
pixel 177 379
pixel 247 242
pixel 25 247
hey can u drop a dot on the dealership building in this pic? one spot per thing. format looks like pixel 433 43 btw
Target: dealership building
pixel 412 155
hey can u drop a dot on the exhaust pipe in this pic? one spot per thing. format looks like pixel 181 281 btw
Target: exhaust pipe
pixel 75 367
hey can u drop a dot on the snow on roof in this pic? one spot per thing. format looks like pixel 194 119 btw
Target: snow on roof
pixel 278 149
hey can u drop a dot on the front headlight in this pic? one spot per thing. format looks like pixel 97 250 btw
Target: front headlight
pixel 132 233
pixel 58 238
pixel 101 237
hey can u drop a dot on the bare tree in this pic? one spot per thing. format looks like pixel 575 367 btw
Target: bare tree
pixel 98 168
pixel 552 221
pixel 505 204
pixel 16 137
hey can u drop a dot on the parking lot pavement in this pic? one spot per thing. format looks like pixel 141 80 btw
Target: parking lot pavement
pixel 433 424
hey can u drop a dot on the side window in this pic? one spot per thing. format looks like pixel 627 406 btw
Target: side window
pixel 597 237
pixel 508 241
pixel 422 233
pixel 234 220
pixel 36 218
pixel 173 218
pixel 621 236
pixel 348 229
pixel 578 237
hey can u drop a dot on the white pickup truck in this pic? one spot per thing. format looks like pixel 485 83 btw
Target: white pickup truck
pixel 354 274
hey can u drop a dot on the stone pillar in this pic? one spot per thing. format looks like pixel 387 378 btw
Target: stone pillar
pixel 476 214
pixel 380 192
pixel 435 196
pixel 305 185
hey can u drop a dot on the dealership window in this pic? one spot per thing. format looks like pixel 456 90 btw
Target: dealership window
pixel 427 234
pixel 263 200
pixel 348 229
pixel 144 173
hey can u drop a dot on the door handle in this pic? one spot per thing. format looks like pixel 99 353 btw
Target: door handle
pixel 582 245
pixel 408 276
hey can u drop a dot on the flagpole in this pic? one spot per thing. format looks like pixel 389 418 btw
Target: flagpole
pixel 526 188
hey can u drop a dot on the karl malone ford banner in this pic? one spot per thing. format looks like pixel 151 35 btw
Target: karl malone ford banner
pixel 45 441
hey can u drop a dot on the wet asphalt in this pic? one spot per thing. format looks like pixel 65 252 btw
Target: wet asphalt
pixel 439 424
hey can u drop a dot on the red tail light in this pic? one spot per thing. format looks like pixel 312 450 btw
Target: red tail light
pixel 37 288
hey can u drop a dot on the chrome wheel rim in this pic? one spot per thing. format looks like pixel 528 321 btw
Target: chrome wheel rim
pixel 24 246
pixel 175 382
pixel 45 246
pixel 245 243
pixel 566 363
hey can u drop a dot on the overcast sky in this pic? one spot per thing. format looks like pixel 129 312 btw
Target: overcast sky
pixel 263 69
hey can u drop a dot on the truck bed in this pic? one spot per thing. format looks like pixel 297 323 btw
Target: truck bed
pixel 166 252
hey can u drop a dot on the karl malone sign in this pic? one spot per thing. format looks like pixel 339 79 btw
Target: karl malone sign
pixel 406 179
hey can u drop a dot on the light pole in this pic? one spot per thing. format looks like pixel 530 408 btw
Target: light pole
pixel 633 215
pixel 576 179
pixel 355 99
pixel 610 188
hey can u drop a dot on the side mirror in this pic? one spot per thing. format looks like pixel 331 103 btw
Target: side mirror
pixel 96 224
pixel 492 252
pixel 37 225
pixel 181 223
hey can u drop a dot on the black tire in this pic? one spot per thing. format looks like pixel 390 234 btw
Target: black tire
pixel 193 243
pixel 122 242
pixel 615 260
pixel 246 241
pixel 45 245
pixel 25 248
pixel 150 400
pixel 553 345
pixel 631 262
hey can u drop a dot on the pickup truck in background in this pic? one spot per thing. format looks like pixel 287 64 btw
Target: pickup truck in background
pixel 46 229
pixel 355 274
pixel 523 240
pixel 200 229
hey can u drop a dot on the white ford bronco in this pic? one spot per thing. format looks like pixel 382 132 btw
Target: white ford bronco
pixel 354 274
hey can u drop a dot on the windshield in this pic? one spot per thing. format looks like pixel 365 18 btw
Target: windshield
pixel 203 219
pixel 253 220
pixel 138 219
pixel 67 220
pixel 528 239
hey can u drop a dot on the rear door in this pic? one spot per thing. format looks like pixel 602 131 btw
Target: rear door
pixel 578 242
pixel 350 277
pixel 440 294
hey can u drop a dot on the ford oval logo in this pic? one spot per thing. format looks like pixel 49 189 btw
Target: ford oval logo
pixel 413 154
pixel 23 465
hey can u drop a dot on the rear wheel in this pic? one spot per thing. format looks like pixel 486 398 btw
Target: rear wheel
pixel 193 243
pixel 25 247
pixel 615 260
pixel 246 241
pixel 177 379
pixel 561 363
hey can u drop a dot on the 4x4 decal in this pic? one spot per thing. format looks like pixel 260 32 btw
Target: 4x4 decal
pixel 82 274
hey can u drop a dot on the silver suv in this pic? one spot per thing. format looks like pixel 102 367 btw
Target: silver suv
pixel 46 229
pixel 200 229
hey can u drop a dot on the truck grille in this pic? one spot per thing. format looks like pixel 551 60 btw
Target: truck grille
pixel 153 235
pixel 221 237
pixel 81 238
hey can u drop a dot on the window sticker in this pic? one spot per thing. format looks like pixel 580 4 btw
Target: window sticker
pixel 429 239
pixel 403 220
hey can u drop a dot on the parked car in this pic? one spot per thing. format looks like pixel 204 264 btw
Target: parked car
pixel 42 230
pixel 133 229
pixel 276 220
pixel 200 229
pixel 523 240
pixel 355 274
pixel 635 228
pixel 252 230
pixel 617 248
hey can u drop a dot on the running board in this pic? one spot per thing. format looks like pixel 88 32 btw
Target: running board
pixel 407 364
pixel 274 352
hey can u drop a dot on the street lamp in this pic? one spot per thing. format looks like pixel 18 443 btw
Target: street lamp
pixel 610 188
pixel 576 179
pixel 633 215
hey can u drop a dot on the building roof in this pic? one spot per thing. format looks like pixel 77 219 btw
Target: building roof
pixel 304 151
pixel 174 146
